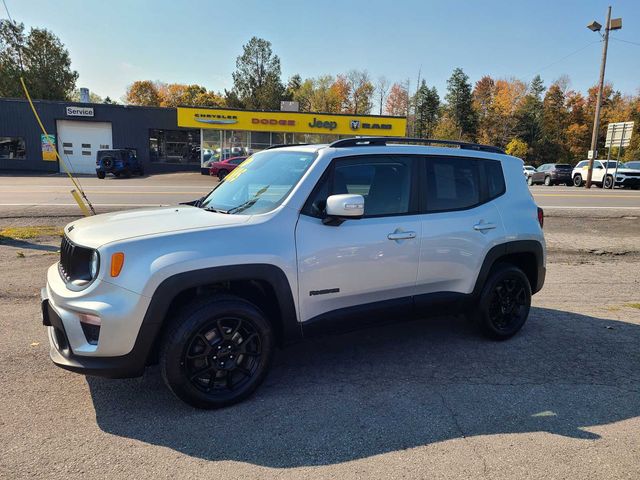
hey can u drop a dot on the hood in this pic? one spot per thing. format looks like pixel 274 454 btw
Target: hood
pixel 99 230
pixel 630 171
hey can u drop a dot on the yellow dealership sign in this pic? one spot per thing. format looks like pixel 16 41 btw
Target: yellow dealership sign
pixel 294 122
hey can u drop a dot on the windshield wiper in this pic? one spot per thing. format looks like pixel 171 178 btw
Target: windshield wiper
pixel 242 206
pixel 216 210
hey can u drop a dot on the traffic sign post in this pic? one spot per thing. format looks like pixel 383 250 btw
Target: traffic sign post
pixel 619 135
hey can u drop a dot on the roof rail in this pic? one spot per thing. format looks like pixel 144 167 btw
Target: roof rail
pixel 382 141
pixel 282 145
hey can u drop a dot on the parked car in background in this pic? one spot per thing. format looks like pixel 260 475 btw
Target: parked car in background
pixel 551 174
pixel 222 169
pixel 634 165
pixel 528 170
pixel 119 162
pixel 603 172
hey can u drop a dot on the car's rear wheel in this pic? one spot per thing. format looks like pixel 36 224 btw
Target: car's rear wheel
pixel 217 352
pixel 530 180
pixel 504 303
pixel 101 175
pixel 577 180
pixel 222 174
pixel 547 181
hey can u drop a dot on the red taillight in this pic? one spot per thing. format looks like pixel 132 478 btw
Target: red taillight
pixel 541 217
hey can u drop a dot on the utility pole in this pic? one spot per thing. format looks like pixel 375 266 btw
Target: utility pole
pixel 595 26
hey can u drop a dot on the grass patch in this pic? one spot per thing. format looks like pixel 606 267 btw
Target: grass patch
pixel 634 305
pixel 27 233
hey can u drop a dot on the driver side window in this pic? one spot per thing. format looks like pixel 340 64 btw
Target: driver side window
pixel 383 181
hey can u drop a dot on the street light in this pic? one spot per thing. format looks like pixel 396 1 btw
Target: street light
pixel 612 24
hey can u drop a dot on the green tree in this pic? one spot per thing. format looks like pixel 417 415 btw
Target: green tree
pixel 427 109
pixel 256 81
pixel 555 120
pixel 517 148
pixel 529 115
pixel 40 57
pixel 460 105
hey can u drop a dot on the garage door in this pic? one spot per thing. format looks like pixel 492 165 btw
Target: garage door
pixel 79 141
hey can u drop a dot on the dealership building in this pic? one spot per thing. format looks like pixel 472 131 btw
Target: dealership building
pixel 165 139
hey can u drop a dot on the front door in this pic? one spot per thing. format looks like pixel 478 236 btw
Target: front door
pixel 364 261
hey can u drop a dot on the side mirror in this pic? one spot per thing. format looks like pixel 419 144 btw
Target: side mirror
pixel 343 207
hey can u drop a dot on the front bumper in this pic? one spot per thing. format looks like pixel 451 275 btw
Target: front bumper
pixel 124 342
pixel 628 181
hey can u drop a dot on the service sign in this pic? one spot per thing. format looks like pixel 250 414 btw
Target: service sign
pixel 293 122
pixel 79 111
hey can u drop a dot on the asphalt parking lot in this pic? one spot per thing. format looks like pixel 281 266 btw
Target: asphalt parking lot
pixel 424 399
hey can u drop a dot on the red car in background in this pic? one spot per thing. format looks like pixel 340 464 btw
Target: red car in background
pixel 222 168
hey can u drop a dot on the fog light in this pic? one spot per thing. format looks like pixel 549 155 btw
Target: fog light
pixel 90 327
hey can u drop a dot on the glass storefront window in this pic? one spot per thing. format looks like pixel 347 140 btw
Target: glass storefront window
pixel 174 146
pixel 260 141
pixel 12 148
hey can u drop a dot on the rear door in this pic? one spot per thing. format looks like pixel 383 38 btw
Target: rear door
pixel 461 223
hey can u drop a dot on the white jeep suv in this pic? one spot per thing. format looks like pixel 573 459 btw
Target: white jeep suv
pixel 296 241
pixel 603 173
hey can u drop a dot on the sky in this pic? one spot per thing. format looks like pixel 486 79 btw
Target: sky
pixel 113 43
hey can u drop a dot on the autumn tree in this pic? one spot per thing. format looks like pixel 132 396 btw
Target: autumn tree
pixel 40 57
pixel 460 105
pixel 555 119
pixel 517 148
pixel 256 81
pixel 360 88
pixel 176 94
pixel 483 103
pixel 397 100
pixel 144 93
pixel 427 107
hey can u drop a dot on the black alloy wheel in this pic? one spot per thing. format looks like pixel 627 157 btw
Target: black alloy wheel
pixel 608 182
pixel 223 355
pixel 505 302
pixel 217 351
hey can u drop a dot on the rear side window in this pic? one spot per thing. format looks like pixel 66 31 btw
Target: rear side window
pixel 457 183
pixel 453 183
pixel 494 178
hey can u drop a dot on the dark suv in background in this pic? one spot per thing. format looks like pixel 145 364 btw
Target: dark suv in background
pixel 120 162
pixel 552 174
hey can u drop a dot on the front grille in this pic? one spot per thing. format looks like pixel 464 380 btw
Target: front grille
pixel 74 262
pixel 66 257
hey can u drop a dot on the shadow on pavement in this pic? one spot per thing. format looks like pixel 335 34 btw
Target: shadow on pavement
pixel 12 242
pixel 353 396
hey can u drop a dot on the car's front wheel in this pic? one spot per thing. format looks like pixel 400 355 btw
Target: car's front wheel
pixel 217 352
pixel 547 181
pixel 101 175
pixel 222 174
pixel 504 303
pixel 530 181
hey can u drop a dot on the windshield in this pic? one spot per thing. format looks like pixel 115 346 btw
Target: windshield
pixel 260 183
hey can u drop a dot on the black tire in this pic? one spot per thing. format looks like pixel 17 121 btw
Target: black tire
pixel 530 180
pixel 577 180
pixel 608 182
pixel 504 303
pixel 222 174
pixel 101 175
pixel 547 181
pixel 196 372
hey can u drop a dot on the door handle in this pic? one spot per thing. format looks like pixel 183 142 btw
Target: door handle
pixel 401 235
pixel 481 227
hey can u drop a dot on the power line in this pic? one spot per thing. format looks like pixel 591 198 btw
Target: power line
pixel 567 56
pixel 626 41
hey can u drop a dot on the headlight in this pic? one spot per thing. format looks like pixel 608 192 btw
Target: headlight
pixel 94 265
